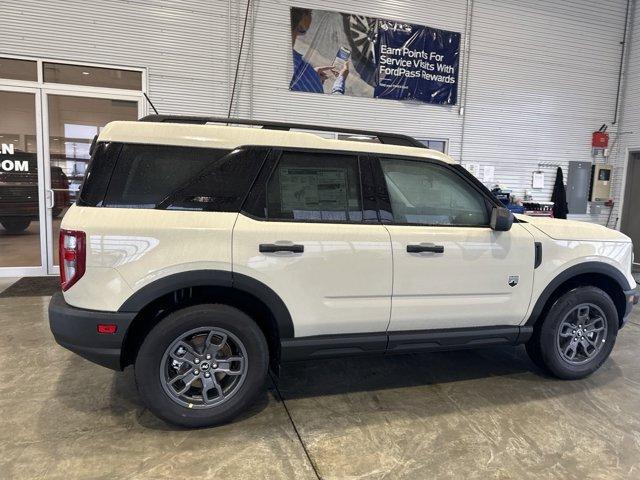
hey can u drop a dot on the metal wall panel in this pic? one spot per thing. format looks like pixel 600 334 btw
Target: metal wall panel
pixel 629 137
pixel 542 75
pixel 182 43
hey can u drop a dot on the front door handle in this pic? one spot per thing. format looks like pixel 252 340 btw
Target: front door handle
pixel 279 247
pixel 425 247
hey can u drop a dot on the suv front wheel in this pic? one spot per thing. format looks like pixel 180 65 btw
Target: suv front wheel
pixel 202 365
pixel 577 335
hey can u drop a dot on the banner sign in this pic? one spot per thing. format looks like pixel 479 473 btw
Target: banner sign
pixel 340 53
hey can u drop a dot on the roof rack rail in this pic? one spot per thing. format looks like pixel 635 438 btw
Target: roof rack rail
pixel 383 137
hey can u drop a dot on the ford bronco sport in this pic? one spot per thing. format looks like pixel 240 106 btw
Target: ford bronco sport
pixel 206 254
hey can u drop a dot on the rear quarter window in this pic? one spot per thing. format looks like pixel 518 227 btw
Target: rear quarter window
pixel 98 174
pixel 145 175
pixel 170 177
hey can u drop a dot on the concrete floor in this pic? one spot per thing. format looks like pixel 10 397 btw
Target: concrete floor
pixel 472 414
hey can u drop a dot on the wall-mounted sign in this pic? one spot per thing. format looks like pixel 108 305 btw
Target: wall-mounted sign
pixel 340 53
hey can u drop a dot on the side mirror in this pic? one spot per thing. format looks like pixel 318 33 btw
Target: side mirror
pixel 501 219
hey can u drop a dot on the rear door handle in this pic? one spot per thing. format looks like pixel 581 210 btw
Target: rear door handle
pixel 278 247
pixel 425 247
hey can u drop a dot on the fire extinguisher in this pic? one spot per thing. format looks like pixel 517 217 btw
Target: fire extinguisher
pixel 600 139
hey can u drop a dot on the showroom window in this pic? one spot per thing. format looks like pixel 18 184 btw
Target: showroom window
pixel 16 69
pixel 427 194
pixel 92 76
pixel 52 110
pixel 437 145
pixel 315 187
pixel 146 174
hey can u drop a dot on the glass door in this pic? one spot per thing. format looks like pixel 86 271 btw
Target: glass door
pixel 22 234
pixel 71 120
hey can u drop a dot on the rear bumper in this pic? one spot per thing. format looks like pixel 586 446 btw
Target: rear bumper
pixel 632 297
pixel 77 330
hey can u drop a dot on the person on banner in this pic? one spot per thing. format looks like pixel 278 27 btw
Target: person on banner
pixel 306 78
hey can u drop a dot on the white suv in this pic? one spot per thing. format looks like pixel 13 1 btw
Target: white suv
pixel 206 254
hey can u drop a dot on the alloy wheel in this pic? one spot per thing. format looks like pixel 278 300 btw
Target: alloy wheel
pixel 203 368
pixel 582 334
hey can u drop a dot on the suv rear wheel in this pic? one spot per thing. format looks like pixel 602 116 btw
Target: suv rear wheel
pixel 577 335
pixel 202 366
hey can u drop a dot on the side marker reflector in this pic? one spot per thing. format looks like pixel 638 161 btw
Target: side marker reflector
pixel 107 328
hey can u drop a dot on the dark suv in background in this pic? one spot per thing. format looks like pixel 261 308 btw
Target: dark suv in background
pixel 19 191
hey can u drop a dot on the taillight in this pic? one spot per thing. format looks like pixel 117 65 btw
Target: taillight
pixel 73 257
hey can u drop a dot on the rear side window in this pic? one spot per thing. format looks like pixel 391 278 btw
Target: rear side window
pixel 223 186
pixel 315 187
pixel 145 175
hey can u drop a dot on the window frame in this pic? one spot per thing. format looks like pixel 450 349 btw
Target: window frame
pixel 385 211
pixel 256 201
pixel 87 90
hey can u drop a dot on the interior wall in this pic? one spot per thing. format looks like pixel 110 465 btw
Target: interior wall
pixel 183 43
pixel 541 76
pixel 629 137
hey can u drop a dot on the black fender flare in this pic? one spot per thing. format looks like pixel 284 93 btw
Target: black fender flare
pixel 213 278
pixel 580 269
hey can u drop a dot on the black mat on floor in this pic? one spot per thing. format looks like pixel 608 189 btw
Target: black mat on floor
pixel 32 287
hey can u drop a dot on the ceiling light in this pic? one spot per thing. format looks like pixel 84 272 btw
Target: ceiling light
pixel 86 73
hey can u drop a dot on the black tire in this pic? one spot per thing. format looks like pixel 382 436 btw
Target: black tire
pixel 544 346
pixel 15 225
pixel 150 357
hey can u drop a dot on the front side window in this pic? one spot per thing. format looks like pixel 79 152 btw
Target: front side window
pixel 424 193
pixel 315 187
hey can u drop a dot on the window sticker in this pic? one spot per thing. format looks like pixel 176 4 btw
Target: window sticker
pixel 310 188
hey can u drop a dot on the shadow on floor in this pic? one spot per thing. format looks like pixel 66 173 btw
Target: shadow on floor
pixel 505 374
pixel 348 375
pixel 82 391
